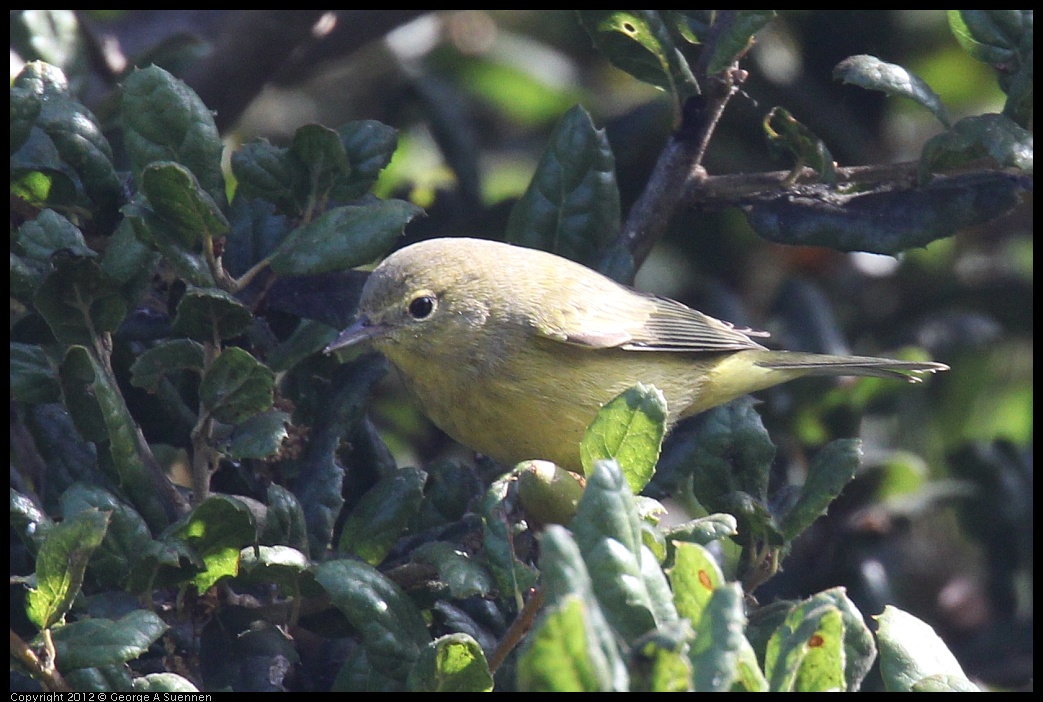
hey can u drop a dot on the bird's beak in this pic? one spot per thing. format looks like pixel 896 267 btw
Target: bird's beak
pixel 362 330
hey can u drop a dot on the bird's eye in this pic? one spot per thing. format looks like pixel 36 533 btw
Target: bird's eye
pixel 422 306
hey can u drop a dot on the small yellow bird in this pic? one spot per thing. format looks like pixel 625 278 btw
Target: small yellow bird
pixel 512 351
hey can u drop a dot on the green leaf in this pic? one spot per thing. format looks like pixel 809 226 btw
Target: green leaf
pixel 392 628
pixel 912 655
pixel 169 357
pixel 788 136
pixel 60 565
pixel 833 468
pixel 164 120
pixel 805 653
pixel 629 429
pixel 572 646
pixel 369 146
pixel 980 136
pixel 155 233
pixel 571 206
pixel 557 656
pixel 34 376
pixel 93 643
pixel 452 663
pixel 211 315
pixel 79 302
pixel 873 74
pixel 342 238
pixel 236 386
pixel 639 42
pixel 703 530
pixel 719 641
pixel 694 577
pixel 217 529
pixel 163 683
pixel 659 661
pixel 176 197
pixel 607 531
pixel 259 436
pixel 127 260
pixel 382 515
pixel 859 650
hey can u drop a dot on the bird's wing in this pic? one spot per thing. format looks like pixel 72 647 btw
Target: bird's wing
pixel 640 322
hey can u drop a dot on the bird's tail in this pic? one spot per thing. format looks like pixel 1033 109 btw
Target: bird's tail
pixel 820 364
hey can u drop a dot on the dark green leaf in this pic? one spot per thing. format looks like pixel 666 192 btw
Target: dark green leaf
pixel 322 155
pixel 126 538
pixel 259 436
pixel 369 145
pixel 60 565
pixel 465 576
pixel 382 515
pixel 211 314
pixel 164 120
pixel 236 386
pixel 873 74
pixel 513 576
pixel 991 136
pixel 157 234
pixel 703 530
pixel 833 468
pixel 167 358
pixel 282 565
pixel 41 238
pixel 571 206
pixel 992 36
pixel 97 642
pixel 285 522
pixel 732 44
pixel 80 302
pixel 34 376
pixel 629 429
pixel 269 173
pixel 73 137
pixel 344 237
pixel 217 529
pixel 28 521
pixel 127 260
pixel 452 663
pixel 392 628
pixel 176 197
pixel 732 452
pixel 100 410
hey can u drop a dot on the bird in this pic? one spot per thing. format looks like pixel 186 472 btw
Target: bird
pixel 512 351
